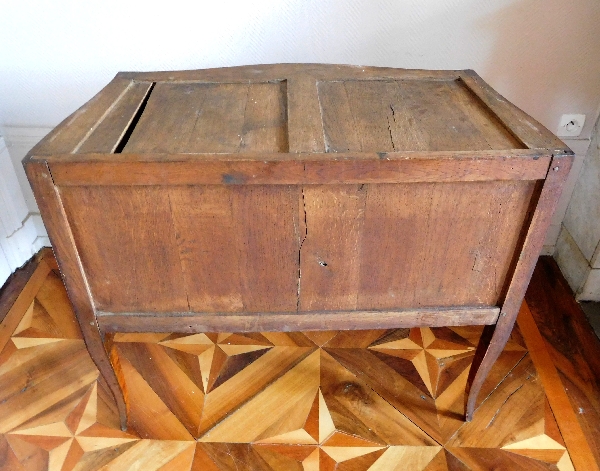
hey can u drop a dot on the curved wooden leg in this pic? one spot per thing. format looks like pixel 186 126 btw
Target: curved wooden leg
pixel 73 275
pixel 490 347
pixel 93 341
pixel 495 337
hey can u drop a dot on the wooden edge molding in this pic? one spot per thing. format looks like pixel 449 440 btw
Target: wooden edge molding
pixel 26 294
pixel 278 71
pixel 295 156
pixel 289 322
pixel 577 445
pixel 291 172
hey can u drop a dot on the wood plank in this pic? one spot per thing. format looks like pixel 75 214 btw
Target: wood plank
pixel 452 125
pixel 266 219
pixel 571 343
pixel 209 246
pixel 487 123
pixel 439 244
pixel 213 117
pixel 61 237
pixel 371 110
pixel 116 254
pixel 107 133
pixel 265 126
pixel 80 123
pixel 404 127
pixel 433 108
pixel 574 438
pixel 305 133
pixel 272 321
pixel 437 115
pixel 339 127
pixel 526 154
pixel 330 249
pixel 229 262
pixel 378 169
pixel 171 111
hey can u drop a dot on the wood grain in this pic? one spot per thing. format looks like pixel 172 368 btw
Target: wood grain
pixel 217 117
pixel 267 321
pixel 305 133
pixel 277 71
pixel 576 442
pixel 413 250
pixel 120 271
pixel 571 343
pixel 330 253
pixel 349 169
pixel 432 115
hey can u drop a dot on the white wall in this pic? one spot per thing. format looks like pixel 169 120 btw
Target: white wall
pixel 578 246
pixel 543 55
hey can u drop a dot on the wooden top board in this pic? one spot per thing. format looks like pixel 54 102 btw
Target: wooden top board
pixel 297 108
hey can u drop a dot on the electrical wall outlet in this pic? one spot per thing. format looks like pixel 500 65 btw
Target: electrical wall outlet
pixel 570 125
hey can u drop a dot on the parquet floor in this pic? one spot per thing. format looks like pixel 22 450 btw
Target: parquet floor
pixel 379 400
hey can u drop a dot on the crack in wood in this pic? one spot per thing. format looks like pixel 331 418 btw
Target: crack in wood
pixel 502 405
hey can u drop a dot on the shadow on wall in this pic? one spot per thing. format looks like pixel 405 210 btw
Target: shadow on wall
pixel 557 39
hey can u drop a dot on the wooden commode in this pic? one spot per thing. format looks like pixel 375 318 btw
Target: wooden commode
pixel 297 197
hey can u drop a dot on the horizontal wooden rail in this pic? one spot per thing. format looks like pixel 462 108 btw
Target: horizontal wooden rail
pixel 291 172
pixel 288 321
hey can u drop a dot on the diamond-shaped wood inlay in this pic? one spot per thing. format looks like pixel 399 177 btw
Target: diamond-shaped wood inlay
pixel 378 400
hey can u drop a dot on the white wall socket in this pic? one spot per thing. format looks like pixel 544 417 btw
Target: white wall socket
pixel 570 125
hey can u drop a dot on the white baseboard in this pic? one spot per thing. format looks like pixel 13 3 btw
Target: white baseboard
pixel 22 244
pixel 22 232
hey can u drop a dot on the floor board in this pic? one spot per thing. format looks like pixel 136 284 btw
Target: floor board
pixel 571 343
pixel 378 400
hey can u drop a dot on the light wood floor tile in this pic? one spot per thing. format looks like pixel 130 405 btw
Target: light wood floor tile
pixel 379 400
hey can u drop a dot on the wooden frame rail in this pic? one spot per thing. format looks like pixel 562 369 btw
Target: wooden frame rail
pixel 285 321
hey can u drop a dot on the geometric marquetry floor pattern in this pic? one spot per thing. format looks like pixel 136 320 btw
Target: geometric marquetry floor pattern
pixel 378 400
